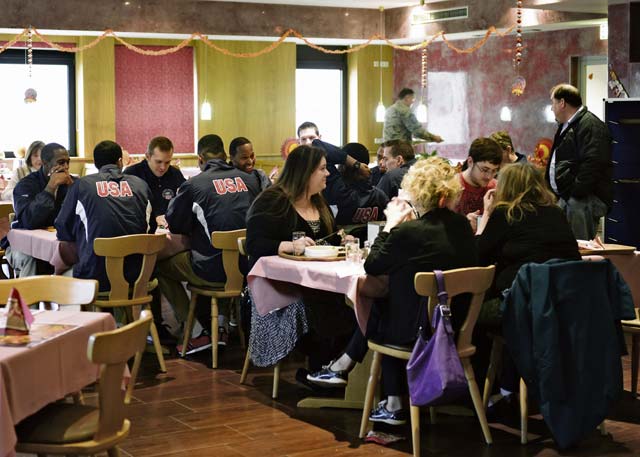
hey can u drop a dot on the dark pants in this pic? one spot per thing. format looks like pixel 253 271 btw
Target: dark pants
pixel 331 325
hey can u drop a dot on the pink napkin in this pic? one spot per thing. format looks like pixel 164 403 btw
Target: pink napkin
pixel 19 317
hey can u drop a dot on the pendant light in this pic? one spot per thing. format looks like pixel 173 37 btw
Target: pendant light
pixel 380 109
pixel 206 113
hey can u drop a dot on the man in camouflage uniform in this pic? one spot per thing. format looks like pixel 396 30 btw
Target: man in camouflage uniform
pixel 401 124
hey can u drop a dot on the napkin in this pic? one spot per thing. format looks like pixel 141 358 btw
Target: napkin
pixel 19 317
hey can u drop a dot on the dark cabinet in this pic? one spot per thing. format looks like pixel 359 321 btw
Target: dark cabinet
pixel 622 224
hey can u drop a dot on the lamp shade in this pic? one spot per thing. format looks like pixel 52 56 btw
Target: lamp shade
pixel 421 112
pixel 505 114
pixel 205 111
pixel 380 110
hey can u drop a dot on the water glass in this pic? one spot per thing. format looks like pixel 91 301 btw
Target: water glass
pixel 366 249
pixel 298 248
pixel 352 251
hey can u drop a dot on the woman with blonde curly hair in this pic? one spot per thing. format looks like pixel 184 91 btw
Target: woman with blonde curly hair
pixel 521 224
pixel 422 233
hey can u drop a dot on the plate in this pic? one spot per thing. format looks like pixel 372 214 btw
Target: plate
pixel 321 251
pixel 304 258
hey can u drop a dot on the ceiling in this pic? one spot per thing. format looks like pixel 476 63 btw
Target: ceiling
pixel 584 6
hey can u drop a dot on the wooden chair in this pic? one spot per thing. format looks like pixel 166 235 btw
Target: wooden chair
pixel 56 289
pixel 65 428
pixel 247 357
pixel 121 295
pixel 464 280
pixel 228 243
pixel 6 211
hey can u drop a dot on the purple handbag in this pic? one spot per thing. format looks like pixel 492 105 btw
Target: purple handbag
pixel 434 371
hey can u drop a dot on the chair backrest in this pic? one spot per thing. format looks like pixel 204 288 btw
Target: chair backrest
pixel 57 289
pixel 228 242
pixel 112 350
pixel 474 280
pixel 242 245
pixel 5 210
pixel 116 249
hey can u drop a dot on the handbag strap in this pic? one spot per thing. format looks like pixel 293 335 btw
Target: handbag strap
pixel 442 309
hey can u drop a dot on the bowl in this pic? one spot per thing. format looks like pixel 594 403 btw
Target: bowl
pixel 321 251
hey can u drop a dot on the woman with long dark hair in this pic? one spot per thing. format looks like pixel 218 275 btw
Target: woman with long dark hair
pixel 295 204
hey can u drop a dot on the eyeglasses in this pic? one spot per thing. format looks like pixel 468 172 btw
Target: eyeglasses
pixel 487 171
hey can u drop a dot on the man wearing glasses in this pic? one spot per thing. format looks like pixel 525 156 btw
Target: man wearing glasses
pixel 478 176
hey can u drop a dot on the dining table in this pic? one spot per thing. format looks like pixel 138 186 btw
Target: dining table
pixel 43 244
pixel 276 282
pixel 47 368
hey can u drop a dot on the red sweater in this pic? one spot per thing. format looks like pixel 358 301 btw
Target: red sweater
pixel 471 197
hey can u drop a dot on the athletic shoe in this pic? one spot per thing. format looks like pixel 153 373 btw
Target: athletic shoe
pixel 382 414
pixel 328 377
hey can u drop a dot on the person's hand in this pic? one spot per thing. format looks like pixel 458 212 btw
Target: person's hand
pixel 301 243
pixel 57 177
pixel 489 200
pixel 473 220
pixel 397 212
pixel 364 170
pixel 274 174
pixel 437 139
pixel 162 222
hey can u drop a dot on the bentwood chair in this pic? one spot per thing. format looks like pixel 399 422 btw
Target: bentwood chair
pixel 474 280
pixel 633 328
pixel 5 211
pixel 247 357
pixel 69 429
pixel 228 243
pixel 121 295
pixel 56 289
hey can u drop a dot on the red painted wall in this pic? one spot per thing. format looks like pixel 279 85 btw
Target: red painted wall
pixel 489 75
pixel 154 97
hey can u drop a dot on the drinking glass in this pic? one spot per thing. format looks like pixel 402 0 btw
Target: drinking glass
pixel 298 248
pixel 366 249
pixel 352 251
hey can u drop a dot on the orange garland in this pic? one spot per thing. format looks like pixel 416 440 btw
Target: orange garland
pixel 265 50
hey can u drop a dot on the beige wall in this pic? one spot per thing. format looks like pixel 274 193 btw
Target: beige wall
pixel 253 97
pixel 364 94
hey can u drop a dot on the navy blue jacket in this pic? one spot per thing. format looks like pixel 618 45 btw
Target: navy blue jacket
pixel 104 205
pixel 561 323
pixel 215 200
pixel 35 207
pixel 392 180
pixel 357 202
pixel 163 188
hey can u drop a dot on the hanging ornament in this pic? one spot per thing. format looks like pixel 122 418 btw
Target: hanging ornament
pixel 30 95
pixel 421 110
pixel 517 88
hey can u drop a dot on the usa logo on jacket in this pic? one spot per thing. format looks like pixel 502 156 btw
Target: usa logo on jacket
pixel 113 189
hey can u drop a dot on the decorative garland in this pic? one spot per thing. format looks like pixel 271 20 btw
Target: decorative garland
pixel 290 32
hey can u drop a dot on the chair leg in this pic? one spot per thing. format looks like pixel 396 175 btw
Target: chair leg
pixel 134 376
pixel 276 381
pixel 494 367
pixel 215 336
pixel 113 452
pixel 477 400
pixel 415 429
pixel 243 343
pixel 524 413
pixel 374 375
pixel 245 367
pixel 157 346
pixel 635 361
pixel 433 415
pixel 188 326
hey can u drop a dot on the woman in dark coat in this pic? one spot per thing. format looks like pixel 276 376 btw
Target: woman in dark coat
pixel 422 233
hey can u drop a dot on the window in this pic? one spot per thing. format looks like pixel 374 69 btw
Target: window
pixel 321 92
pixel 52 118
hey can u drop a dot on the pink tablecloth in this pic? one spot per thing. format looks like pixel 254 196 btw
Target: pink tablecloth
pixel 43 245
pixel 32 377
pixel 277 282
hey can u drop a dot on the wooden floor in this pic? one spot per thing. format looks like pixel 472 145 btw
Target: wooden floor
pixel 196 411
